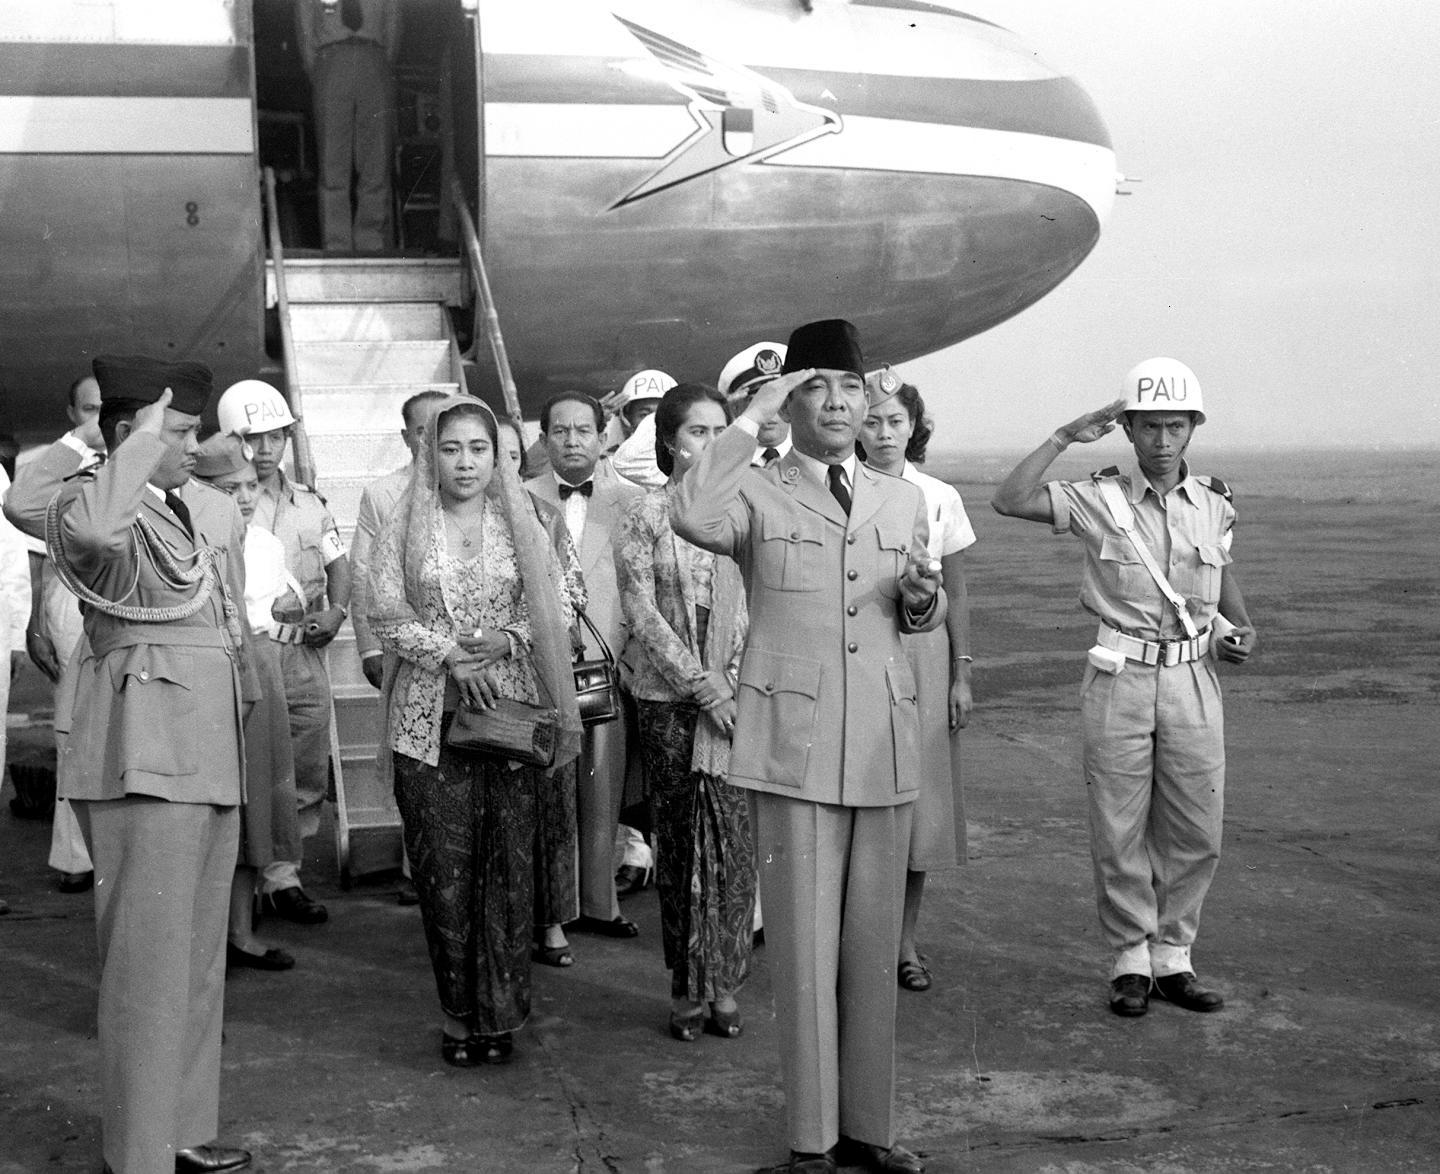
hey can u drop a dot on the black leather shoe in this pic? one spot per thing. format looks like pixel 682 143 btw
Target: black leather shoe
pixel 273 959
pixel 76 882
pixel 618 927
pixel 798 1163
pixel 293 905
pixel 210 1157
pixel 630 879
pixel 1184 990
pixel 877 1159
pixel 1130 994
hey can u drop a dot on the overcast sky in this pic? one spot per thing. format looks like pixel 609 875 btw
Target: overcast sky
pixel 1285 240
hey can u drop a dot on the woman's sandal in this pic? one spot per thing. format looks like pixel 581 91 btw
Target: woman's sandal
pixel 914 976
pixel 553 955
pixel 725 1024
pixel 459 1053
pixel 686 1027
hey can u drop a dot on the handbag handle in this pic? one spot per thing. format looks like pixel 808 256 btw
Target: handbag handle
pixel 594 631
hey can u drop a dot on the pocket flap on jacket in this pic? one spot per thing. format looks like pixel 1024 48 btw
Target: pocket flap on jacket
pixel 901 682
pixel 1118 549
pixel 150 662
pixel 775 672
pixel 792 527
pixel 1214 555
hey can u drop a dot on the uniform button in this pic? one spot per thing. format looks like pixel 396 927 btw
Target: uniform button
pixel 144 674
pixel 769 688
pixel 851 610
pixel 794 535
pixel 852 575
pixel 854 647
pixel 850 540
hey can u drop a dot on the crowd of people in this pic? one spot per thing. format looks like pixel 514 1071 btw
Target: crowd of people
pixel 783 592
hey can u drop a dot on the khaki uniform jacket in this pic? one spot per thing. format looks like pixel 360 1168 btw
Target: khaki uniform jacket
pixel 152 708
pixel 827 707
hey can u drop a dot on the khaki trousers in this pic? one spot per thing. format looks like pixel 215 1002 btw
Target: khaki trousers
pixel 162 894
pixel 834 885
pixel 599 787
pixel 1155 779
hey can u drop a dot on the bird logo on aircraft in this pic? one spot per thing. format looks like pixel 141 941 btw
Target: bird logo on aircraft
pixel 740 115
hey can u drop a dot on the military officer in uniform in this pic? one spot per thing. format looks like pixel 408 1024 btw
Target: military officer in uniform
pixel 826 732
pixel 1159 580
pixel 317 559
pixel 153 761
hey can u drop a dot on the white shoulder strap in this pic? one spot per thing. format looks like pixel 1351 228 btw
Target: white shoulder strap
pixel 1125 518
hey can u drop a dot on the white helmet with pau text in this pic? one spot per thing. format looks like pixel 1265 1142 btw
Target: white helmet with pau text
pixel 252 406
pixel 1163 385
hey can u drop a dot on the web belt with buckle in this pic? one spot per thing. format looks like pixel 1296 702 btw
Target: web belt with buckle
pixel 1156 652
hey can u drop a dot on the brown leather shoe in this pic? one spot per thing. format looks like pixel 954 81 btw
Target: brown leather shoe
pixel 206 1159
pixel 1130 995
pixel 1184 990
pixel 877 1159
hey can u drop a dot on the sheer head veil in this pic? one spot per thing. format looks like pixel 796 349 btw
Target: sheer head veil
pixel 415 529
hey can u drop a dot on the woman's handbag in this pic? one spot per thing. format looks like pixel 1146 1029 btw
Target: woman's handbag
pixel 512 729
pixel 597 685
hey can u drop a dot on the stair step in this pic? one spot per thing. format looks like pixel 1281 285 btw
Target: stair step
pixel 347 363
pixel 353 321
pixel 370 279
pixel 357 453
pixel 375 405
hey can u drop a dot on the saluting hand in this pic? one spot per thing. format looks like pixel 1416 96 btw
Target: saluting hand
pixel 151 418
pixel 1092 425
pixel 771 397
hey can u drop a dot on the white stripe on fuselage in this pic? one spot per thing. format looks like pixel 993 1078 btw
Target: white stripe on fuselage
pixel 561 130
pixel 833 39
pixel 126 126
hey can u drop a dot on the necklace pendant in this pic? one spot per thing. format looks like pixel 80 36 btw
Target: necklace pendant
pixel 465 542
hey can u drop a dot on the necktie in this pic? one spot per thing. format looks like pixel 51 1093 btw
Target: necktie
pixel 770 456
pixel 351 15
pixel 584 489
pixel 836 476
pixel 180 510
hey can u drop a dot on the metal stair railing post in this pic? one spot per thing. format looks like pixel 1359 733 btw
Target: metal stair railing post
pixel 304 460
pixel 486 308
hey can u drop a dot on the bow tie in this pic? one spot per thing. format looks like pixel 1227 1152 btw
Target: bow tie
pixel 585 489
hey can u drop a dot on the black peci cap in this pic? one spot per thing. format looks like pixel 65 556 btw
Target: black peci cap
pixel 143 379
pixel 831 344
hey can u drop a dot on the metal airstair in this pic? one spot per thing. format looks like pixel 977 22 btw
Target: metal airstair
pixel 361 336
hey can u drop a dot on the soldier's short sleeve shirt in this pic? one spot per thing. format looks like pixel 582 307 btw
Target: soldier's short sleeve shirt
pixel 1188 532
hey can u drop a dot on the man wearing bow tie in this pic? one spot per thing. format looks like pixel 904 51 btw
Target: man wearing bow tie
pixel 593 499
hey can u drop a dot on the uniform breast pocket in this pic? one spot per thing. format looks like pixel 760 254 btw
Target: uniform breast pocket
pixel 1123 567
pixel 154 718
pixel 892 547
pixel 776 717
pixel 1211 561
pixel 791 552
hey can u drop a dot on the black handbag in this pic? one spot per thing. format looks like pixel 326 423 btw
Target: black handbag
pixel 597 684
pixel 512 729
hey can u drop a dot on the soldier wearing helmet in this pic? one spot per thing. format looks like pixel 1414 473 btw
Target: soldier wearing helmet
pixel 1158 577
pixel 317 560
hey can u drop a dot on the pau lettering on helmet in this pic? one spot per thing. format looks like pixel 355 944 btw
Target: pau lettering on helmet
pixel 251 407
pixel 1163 385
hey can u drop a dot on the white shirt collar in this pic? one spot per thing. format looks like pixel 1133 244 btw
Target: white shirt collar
pixel 820 470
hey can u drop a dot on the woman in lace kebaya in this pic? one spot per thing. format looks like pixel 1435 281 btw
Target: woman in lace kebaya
pixel 470 601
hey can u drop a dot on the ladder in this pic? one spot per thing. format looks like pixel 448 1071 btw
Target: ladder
pixel 365 335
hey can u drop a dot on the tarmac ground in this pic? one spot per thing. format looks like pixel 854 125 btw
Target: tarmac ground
pixel 1321 929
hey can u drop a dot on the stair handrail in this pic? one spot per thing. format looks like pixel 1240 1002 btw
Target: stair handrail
pixel 485 307
pixel 304 459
